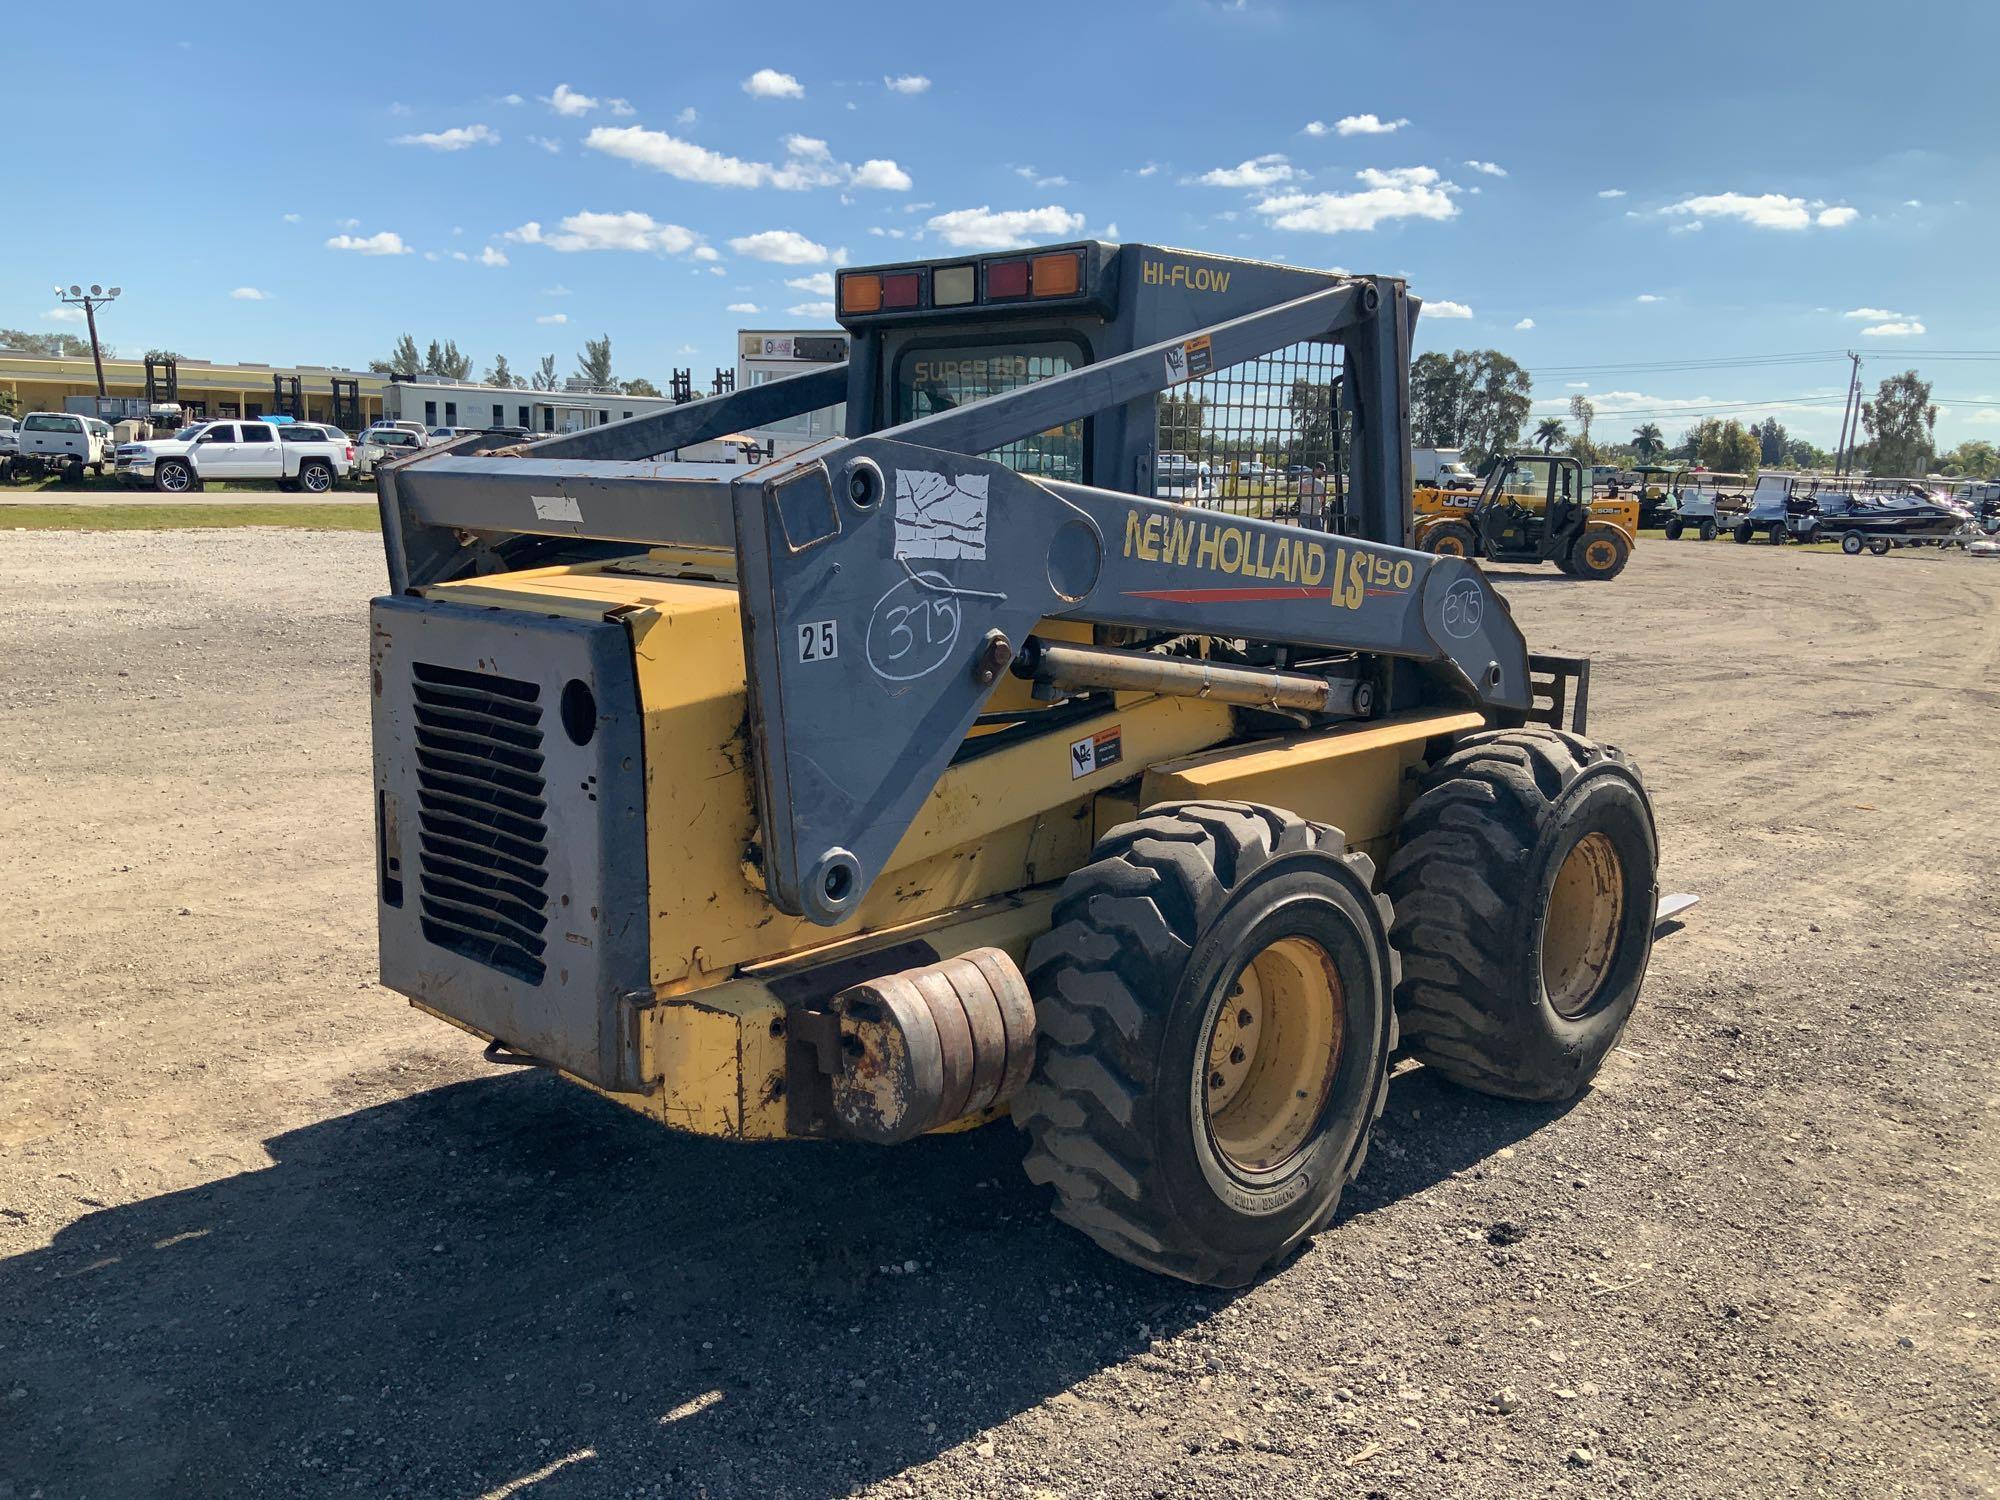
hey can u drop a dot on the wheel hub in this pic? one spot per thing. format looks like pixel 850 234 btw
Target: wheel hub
pixel 1272 1055
pixel 1580 930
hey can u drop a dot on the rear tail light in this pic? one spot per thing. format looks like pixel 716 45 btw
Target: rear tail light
pixel 1058 275
pixel 1006 278
pixel 953 286
pixel 904 289
pixel 861 293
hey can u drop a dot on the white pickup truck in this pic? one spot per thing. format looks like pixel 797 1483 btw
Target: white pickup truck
pixel 291 455
pixel 60 443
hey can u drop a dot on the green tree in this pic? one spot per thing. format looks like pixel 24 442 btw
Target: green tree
pixel 639 386
pixel 1476 399
pixel 1582 411
pixel 1182 418
pixel 594 364
pixel 172 354
pixel 402 360
pixel 10 404
pixel 1902 423
pixel 1727 447
pixel 1772 441
pixel 445 361
pixel 1801 454
pixel 49 345
pixel 500 374
pixel 1437 401
pixel 545 377
pixel 1648 443
pixel 1549 432
pixel 1971 460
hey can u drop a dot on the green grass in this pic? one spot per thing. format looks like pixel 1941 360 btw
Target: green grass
pixel 52 485
pixel 1651 534
pixel 343 516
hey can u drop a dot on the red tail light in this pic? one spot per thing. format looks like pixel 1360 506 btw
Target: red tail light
pixel 1006 278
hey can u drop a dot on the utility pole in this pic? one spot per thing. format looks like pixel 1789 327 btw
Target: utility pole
pixel 1850 416
pixel 90 301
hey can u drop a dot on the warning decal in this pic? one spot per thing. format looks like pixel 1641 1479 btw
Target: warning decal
pixel 1190 359
pixel 1094 753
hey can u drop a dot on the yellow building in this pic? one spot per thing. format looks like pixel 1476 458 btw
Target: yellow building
pixel 51 383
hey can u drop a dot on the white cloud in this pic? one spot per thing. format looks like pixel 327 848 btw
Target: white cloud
pixel 769 83
pixel 820 283
pixel 882 174
pixel 1901 329
pixel 1446 310
pixel 1913 203
pixel 547 143
pixel 567 102
pixel 1259 171
pixel 1401 193
pixel 1491 169
pixel 909 83
pixel 1692 226
pixel 348 224
pixel 458 138
pixel 64 315
pixel 558 290
pixel 620 107
pixel 1651 297
pixel 512 99
pixel 1524 325
pixel 291 218
pixel 1038 180
pixel 1875 313
pixel 1763 210
pixel 455 255
pixel 1366 125
pixel 707 252
pixel 687 116
pixel 493 255
pixel 250 294
pixel 1148 170
pixel 594 231
pixel 785 247
pixel 984 228
pixel 1316 127
pixel 1611 192
pixel 811 310
pixel 552 318
pixel 1576 385
pixel 384 243
pixel 743 307
pixel 809 163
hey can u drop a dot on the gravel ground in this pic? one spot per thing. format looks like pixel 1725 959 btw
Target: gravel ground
pixel 268 1231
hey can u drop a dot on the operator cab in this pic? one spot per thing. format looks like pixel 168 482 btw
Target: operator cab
pixel 931 337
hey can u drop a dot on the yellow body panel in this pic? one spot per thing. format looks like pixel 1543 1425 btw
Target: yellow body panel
pixel 978 866
pixel 1355 777
pixel 1433 506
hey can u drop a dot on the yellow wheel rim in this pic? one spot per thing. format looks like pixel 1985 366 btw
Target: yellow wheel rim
pixel 1580 932
pixel 1273 1054
pixel 1449 546
pixel 1600 553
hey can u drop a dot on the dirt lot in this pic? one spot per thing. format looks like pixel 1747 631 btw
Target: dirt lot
pixel 266 1231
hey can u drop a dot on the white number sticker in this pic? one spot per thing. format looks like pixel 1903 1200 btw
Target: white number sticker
pixel 819 640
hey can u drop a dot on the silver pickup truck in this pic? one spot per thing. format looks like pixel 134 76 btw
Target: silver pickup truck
pixel 290 455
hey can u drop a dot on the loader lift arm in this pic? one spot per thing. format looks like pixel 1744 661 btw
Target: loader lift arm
pixel 885 580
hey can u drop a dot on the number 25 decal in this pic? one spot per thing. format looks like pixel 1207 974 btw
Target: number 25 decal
pixel 819 640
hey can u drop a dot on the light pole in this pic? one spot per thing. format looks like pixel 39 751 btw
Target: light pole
pixel 90 301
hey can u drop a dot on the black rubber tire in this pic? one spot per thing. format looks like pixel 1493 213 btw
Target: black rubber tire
pixel 1879 545
pixel 1811 536
pixel 1147 940
pixel 1673 529
pixel 1478 853
pixel 1708 531
pixel 316 477
pixel 1448 533
pixel 1745 533
pixel 1579 557
pixel 172 477
pixel 70 473
pixel 1777 536
pixel 1851 543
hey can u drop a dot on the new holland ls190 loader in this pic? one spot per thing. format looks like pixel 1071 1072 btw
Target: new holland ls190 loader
pixel 943 772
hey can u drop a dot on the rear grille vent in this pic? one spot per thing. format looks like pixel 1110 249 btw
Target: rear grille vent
pixel 483 840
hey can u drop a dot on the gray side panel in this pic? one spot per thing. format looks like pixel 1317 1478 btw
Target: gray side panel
pixel 511 885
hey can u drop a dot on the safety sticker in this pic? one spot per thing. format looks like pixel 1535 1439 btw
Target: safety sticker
pixel 1095 752
pixel 556 508
pixel 940 515
pixel 1190 359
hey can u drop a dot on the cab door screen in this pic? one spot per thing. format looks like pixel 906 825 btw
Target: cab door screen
pixel 939 378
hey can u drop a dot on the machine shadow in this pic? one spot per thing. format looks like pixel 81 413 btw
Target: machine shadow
pixel 490 1280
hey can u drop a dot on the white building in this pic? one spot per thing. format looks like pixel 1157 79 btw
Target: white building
pixel 437 402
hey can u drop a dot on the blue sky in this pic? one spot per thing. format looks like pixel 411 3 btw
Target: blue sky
pixel 1632 202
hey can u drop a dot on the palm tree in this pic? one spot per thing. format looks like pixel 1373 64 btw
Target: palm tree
pixel 1550 433
pixel 1648 441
